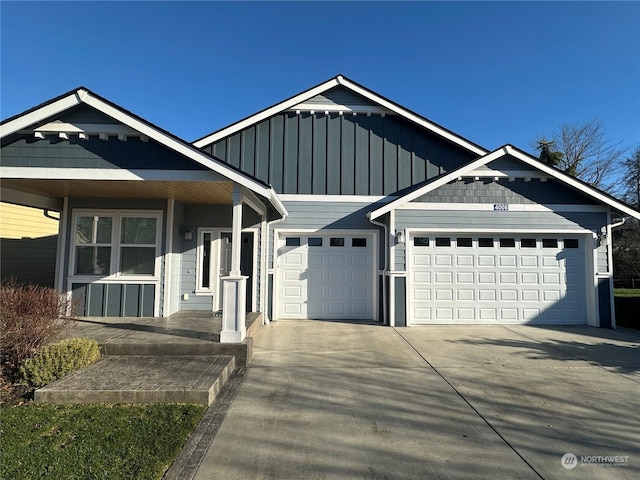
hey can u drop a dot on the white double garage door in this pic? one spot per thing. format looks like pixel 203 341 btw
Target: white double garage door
pixel 326 276
pixel 496 279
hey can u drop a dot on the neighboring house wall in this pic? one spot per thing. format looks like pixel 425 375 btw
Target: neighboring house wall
pixel 28 242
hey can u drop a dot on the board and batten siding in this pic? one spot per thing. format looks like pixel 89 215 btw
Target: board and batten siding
pixel 488 220
pixel 333 154
pixel 28 242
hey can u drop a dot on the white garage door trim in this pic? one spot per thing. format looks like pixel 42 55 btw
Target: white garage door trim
pixel 371 249
pixel 473 309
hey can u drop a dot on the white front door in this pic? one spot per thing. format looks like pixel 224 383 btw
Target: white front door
pixel 326 276
pixel 497 279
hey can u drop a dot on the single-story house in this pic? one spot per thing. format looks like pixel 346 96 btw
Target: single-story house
pixel 336 203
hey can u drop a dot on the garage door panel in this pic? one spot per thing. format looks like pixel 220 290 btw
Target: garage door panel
pixel 324 279
pixel 509 281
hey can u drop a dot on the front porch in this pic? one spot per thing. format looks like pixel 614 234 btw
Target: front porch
pixel 181 334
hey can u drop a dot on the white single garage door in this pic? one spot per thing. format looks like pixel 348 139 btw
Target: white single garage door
pixel 325 276
pixel 497 279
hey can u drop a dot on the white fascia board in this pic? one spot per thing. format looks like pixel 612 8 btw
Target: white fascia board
pixel 50 173
pixel 258 117
pixel 24 121
pixel 30 200
pixel 423 122
pixel 569 180
pixel 436 183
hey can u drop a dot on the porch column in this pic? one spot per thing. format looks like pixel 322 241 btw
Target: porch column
pixel 234 289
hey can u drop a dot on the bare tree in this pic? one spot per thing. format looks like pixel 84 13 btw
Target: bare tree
pixel 631 178
pixel 581 150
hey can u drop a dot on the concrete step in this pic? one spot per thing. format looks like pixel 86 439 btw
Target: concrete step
pixel 142 379
pixel 149 346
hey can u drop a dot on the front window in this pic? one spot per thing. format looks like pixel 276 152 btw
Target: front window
pixel 116 244
pixel 93 245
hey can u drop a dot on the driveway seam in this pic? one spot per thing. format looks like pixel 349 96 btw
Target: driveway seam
pixel 593 364
pixel 506 442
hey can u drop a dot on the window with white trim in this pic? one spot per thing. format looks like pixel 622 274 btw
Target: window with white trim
pixel 116 244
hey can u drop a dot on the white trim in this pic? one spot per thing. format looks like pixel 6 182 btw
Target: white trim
pixel 423 122
pixel 278 242
pixel 214 267
pixel 250 199
pixel 336 198
pixel 52 173
pixel 168 259
pixel 60 105
pixel 115 276
pixel 86 128
pixel 506 150
pixel 513 207
pixel 338 80
pixel 541 231
pixel 507 173
pixel 28 199
pixel 258 117
pixel 333 108
pixel 263 238
pixel 392 266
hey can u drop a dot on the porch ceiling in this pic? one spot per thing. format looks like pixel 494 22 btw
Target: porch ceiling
pixel 187 192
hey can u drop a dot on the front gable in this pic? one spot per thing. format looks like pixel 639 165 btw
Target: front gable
pixel 339 138
pixel 507 176
pixel 83 137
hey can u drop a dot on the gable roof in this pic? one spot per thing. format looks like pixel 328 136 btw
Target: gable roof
pixel 340 80
pixel 514 152
pixel 82 95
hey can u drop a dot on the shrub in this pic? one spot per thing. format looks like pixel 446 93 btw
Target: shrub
pixel 30 315
pixel 59 359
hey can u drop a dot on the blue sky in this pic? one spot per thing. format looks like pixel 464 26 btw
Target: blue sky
pixel 493 72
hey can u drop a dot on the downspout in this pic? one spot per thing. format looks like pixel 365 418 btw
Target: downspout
pixel 265 317
pixel 385 271
pixel 612 303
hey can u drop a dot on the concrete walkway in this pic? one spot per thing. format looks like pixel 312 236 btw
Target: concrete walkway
pixel 360 401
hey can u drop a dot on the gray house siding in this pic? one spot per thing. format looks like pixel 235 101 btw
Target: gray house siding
pixel 333 154
pixel 212 216
pixel 517 192
pixel 558 222
pixel 327 216
pixel 53 152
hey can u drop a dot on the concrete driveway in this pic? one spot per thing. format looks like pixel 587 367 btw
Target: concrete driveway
pixel 361 401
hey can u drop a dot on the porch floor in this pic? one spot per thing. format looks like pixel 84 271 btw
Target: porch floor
pixel 183 333
pixel 178 359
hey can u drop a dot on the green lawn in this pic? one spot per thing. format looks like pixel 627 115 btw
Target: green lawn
pixel 626 292
pixel 93 441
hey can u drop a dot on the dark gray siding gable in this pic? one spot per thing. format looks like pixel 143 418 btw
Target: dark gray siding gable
pixel 330 154
pixel 53 152
pixel 503 191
